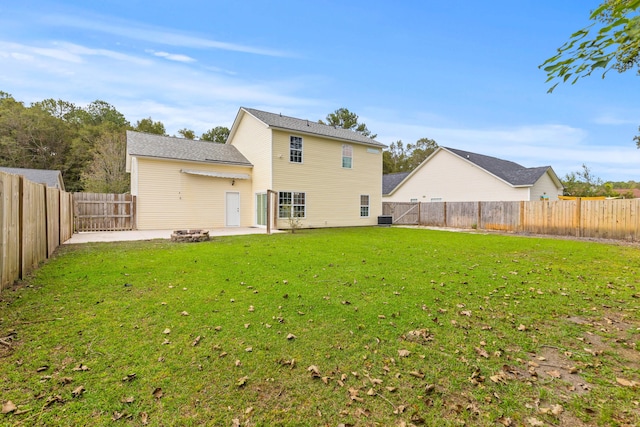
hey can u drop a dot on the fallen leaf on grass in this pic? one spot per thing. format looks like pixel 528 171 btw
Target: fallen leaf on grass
pixel 184 313
pixel 554 374
pixel 8 407
pixel 534 422
pixel 481 352
pixel 499 378
pixel 144 418
pixel 66 380
pixel 129 377
pixel 417 374
pixel 81 367
pixel 291 337
pixel 404 353
pixel 157 393
pixel 166 331
pixel 53 399
pixel 129 399
pixel 353 394
pixel 42 368
pixel 241 382
pixel 77 392
pixel 522 328
pixel 507 422
pixel 627 383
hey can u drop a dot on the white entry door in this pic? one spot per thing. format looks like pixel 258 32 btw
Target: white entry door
pixel 233 210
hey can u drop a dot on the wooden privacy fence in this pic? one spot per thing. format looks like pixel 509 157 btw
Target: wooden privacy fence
pixel 35 220
pixel 104 212
pixel 607 219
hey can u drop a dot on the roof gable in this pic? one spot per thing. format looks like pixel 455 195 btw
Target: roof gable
pixel 168 147
pixel 278 121
pixel 50 178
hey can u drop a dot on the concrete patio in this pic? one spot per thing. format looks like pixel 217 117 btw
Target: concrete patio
pixel 121 236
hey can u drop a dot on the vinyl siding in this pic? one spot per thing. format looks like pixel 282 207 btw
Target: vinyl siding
pixel 332 192
pixel 545 185
pixel 253 139
pixel 170 199
pixel 449 178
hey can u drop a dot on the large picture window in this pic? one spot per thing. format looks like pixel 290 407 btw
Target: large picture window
pixel 364 205
pixel 347 156
pixel 295 149
pixel 291 204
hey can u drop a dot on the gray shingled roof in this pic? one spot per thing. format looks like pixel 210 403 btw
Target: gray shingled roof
pixel 168 147
pixel 50 178
pixel 513 173
pixel 307 126
pixel 391 180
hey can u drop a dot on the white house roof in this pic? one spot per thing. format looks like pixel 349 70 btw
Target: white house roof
pixel 169 147
pixel 50 178
pixel 278 121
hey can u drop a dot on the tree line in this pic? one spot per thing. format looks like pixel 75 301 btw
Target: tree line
pixel 88 145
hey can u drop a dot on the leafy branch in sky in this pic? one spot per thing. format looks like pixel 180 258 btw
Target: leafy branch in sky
pixel 614 45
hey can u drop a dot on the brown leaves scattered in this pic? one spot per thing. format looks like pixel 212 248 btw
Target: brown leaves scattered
pixel 420 336
pixel 196 341
pixel 404 353
pixel 482 352
pixel 241 382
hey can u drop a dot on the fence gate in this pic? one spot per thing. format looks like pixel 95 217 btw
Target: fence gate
pixel 402 213
pixel 104 212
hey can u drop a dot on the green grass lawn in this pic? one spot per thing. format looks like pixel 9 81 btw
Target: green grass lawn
pixel 369 326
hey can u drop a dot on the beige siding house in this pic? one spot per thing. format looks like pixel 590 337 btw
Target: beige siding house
pixel 451 175
pixel 181 183
pixel 274 170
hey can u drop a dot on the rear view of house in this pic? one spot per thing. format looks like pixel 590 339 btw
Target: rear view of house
pixel 275 170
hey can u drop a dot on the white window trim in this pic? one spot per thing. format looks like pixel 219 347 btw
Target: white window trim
pixel 350 147
pixel 368 206
pixel 291 150
pixel 292 205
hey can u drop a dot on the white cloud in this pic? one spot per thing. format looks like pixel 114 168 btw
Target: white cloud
pixel 138 31
pixel 172 56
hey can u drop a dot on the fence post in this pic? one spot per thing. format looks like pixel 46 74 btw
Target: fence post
pixel 479 219
pixel 578 217
pixel 522 228
pixel 444 206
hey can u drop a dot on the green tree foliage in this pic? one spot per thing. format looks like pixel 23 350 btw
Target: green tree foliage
pixel 217 134
pixel 345 119
pixel 149 126
pixel 584 183
pixel 401 158
pixel 106 173
pixel 187 133
pixel 615 44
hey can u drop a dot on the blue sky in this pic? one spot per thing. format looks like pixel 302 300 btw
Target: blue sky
pixel 464 73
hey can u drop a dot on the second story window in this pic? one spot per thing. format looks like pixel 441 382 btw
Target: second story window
pixel 295 149
pixel 347 156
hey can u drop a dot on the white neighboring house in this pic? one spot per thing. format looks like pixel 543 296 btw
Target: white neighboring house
pixel 451 175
